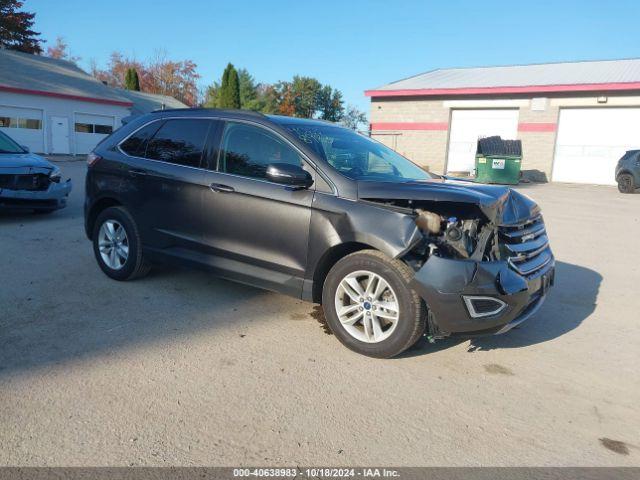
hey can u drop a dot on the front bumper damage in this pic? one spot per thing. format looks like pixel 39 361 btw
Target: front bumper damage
pixel 53 198
pixel 443 284
pixel 482 262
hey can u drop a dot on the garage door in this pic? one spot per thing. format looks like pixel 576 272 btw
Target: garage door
pixel 91 129
pixel 591 140
pixel 469 125
pixel 24 125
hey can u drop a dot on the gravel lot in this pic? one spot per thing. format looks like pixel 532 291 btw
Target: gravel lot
pixel 182 368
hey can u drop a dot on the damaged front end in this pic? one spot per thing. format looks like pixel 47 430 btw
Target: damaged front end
pixel 481 267
pixel 33 188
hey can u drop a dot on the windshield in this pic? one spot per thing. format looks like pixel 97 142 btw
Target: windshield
pixel 7 145
pixel 356 156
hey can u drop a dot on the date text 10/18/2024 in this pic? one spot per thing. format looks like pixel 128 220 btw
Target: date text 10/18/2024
pixel 316 472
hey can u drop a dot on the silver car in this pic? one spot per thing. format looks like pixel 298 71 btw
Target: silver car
pixel 29 181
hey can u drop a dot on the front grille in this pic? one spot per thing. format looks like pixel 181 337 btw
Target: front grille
pixel 31 182
pixel 526 246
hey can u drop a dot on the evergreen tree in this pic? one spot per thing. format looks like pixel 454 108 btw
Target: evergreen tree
pixel 248 91
pixel 16 28
pixel 131 80
pixel 228 96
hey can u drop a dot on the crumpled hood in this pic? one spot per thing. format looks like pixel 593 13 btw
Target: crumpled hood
pixel 20 160
pixel 501 205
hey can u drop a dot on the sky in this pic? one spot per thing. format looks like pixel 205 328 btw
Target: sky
pixel 353 45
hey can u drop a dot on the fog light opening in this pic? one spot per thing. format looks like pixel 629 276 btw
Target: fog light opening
pixel 483 306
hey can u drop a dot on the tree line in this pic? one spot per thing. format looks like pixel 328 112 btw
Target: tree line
pixel 301 96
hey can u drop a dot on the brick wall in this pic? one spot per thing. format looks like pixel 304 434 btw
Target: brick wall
pixel 426 147
pixel 538 146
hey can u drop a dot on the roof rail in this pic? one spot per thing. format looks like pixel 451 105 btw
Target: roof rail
pixel 221 110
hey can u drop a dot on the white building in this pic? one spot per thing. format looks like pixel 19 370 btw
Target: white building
pixel 54 107
pixel 575 119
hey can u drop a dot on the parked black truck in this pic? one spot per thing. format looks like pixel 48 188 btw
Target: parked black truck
pixel 320 212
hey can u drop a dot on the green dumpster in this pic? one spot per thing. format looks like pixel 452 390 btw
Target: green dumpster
pixel 498 169
pixel 498 160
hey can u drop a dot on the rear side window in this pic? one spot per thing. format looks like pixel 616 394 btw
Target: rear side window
pixel 179 141
pixel 247 150
pixel 136 144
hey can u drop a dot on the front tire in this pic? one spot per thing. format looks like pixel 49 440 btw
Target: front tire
pixel 117 245
pixel 626 183
pixel 369 306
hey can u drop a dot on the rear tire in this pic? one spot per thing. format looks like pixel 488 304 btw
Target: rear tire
pixel 381 321
pixel 117 245
pixel 626 183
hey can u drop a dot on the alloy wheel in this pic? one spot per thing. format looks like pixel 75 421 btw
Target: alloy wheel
pixel 367 307
pixel 113 244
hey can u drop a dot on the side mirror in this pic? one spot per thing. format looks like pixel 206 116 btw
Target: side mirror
pixel 288 174
pixel 25 148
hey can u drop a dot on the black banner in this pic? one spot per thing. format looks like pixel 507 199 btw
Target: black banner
pixel 401 473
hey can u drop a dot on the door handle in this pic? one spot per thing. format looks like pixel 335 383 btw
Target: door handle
pixel 220 188
pixel 137 172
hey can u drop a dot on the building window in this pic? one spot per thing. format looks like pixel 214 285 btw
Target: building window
pixel 19 122
pixel 84 128
pixel 103 129
pixel 93 128
pixel 33 123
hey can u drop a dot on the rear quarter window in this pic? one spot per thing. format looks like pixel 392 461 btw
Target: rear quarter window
pixel 179 141
pixel 136 144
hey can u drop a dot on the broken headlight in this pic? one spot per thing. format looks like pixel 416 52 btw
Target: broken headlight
pixel 450 236
pixel 461 236
pixel 55 175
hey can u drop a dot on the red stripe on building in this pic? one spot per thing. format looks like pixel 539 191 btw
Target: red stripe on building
pixel 65 95
pixel 585 87
pixel 409 126
pixel 537 127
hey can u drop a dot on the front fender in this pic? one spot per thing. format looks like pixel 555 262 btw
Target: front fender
pixel 336 221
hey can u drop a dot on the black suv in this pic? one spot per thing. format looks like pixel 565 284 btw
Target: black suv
pixel 628 172
pixel 320 212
